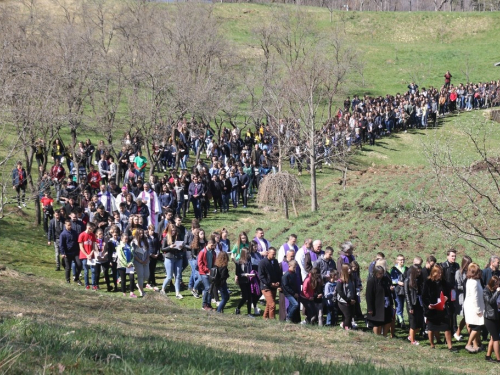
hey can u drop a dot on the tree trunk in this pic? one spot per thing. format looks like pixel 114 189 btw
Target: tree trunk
pixel 294 208
pixel 152 162
pixel 38 210
pixel 344 177
pixel 314 198
pixel 285 204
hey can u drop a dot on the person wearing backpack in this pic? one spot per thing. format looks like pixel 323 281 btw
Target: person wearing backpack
pixel 219 279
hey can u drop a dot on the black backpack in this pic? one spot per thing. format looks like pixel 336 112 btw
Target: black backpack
pixel 214 276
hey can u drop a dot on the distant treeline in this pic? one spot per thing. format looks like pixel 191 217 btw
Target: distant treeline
pixel 390 5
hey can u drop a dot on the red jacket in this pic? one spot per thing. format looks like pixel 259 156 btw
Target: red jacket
pixel 307 290
pixel 202 261
pixel 94 178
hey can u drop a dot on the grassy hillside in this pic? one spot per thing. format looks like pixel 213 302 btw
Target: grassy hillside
pixel 63 324
pixel 46 326
pixel 397 47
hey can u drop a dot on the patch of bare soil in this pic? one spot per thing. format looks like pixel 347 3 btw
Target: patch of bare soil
pixel 483 165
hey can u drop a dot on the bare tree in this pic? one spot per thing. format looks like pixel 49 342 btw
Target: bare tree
pixel 30 93
pixel 305 70
pixel 280 189
pixel 108 72
pixel 463 195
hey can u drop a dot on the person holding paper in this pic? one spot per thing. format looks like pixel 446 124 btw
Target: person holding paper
pixel 87 243
pixel 436 302
pixel 172 250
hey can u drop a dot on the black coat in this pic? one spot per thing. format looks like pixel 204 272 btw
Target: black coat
pixel 289 284
pixel 411 295
pixel 376 292
pixel 490 304
pixel 430 294
pixel 269 272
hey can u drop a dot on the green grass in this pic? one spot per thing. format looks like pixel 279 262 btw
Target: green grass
pixel 50 347
pixel 64 324
pixel 397 47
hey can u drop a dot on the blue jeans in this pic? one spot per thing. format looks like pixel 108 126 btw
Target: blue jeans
pixel 224 295
pixel 95 276
pixel 179 207
pixel 225 201
pixel 140 173
pixel 196 207
pixel 183 161
pixel 206 300
pixel 293 306
pixel 195 275
pixel 86 269
pixel 400 301
pixel 234 197
pixel 171 266
pixel 331 314
pixel 389 125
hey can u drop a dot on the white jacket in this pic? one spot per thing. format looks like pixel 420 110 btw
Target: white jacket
pixel 474 302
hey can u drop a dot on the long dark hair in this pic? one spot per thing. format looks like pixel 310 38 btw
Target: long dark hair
pixel 413 276
pixel 466 260
pixel 316 280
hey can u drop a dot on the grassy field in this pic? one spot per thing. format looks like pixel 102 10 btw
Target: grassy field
pixel 49 327
pixel 396 47
pixel 64 325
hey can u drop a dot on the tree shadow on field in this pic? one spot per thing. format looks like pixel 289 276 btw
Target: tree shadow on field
pixel 108 349
pixel 381 144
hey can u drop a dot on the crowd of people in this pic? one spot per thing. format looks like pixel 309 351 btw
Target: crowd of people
pixel 110 222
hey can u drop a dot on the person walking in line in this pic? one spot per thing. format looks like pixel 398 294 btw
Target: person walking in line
pixel 19 183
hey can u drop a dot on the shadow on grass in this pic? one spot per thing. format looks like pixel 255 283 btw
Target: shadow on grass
pixel 105 349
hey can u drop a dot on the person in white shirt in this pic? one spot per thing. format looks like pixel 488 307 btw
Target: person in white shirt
pixel 112 168
pixel 122 197
pixel 300 256
pixel 263 245
pixel 107 199
pixel 290 245
pixel 150 199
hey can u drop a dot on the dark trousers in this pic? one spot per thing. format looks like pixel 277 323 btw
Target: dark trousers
pixel 152 270
pixel 19 189
pixel 246 297
pixel 67 266
pixel 244 196
pixel 123 277
pixel 372 138
pixel 106 267
pixel 310 307
pixel 348 312
pixel 217 202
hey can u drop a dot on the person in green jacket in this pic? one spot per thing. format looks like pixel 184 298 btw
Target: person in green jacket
pixel 242 243
pixel 126 264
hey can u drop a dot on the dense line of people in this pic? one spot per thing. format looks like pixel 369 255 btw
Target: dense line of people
pixel 122 232
pixel 434 294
